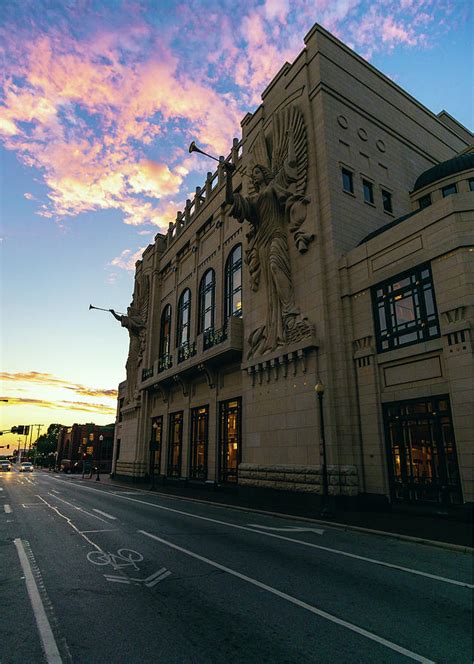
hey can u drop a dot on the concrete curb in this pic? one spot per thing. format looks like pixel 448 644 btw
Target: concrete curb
pixel 329 524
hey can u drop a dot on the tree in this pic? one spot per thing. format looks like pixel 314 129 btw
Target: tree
pixel 47 442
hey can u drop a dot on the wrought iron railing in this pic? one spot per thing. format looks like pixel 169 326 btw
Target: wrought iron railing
pixel 214 337
pixel 165 362
pixel 147 373
pixel 186 350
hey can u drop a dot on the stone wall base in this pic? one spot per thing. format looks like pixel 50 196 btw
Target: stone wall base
pixel 342 480
pixel 134 469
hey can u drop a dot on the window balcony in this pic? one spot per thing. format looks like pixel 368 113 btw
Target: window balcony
pixel 186 350
pixel 147 373
pixel 211 349
pixel 165 362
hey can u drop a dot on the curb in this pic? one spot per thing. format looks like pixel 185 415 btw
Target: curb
pixel 459 548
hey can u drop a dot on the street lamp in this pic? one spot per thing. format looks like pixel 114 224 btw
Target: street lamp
pixel 99 449
pixel 325 511
pixel 152 454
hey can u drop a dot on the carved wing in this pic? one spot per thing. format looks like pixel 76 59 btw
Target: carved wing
pixel 144 297
pixel 258 155
pixel 290 118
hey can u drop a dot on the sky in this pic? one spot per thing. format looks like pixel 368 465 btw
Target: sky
pixel 99 100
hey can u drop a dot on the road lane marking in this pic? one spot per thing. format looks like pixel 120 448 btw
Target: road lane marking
pixel 44 628
pixel 289 529
pixel 7 508
pixel 104 530
pixel 338 552
pixel 294 600
pixel 80 509
pixel 54 491
pixel 109 516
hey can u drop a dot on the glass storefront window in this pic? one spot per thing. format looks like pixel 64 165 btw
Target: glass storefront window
pixel 175 443
pixel 422 456
pixel 199 443
pixel 230 439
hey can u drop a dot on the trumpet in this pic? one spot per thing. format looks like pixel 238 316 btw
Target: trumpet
pixel 91 306
pixel 194 148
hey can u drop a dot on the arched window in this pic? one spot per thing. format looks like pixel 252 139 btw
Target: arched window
pixel 233 283
pixel 165 331
pixel 207 296
pixel 184 317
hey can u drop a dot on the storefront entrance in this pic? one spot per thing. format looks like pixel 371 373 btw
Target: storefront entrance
pixel 421 449
pixel 199 442
pixel 230 439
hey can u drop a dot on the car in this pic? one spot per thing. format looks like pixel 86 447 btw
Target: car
pixel 5 466
pixel 26 467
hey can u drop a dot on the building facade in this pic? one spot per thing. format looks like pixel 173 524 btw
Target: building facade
pixel 85 444
pixel 332 247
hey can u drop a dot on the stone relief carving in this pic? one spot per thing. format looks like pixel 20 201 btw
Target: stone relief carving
pixel 136 323
pixel 276 202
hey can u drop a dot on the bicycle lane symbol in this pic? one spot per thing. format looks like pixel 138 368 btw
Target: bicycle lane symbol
pixel 122 559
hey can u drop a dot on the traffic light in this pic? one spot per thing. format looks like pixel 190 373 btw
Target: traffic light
pixel 20 429
pixel 14 430
pixel 8 447
pixel 26 430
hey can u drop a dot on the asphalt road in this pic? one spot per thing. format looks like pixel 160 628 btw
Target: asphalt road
pixel 90 573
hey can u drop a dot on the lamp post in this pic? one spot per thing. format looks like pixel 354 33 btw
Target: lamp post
pixel 99 449
pixel 152 455
pixel 325 511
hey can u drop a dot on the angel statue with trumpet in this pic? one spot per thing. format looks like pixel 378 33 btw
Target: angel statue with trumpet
pixel 276 202
pixel 135 322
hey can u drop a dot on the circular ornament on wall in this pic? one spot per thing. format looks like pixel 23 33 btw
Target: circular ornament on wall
pixel 362 134
pixel 342 121
pixel 380 145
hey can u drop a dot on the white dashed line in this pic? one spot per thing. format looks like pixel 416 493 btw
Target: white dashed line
pixel 109 516
pixel 7 509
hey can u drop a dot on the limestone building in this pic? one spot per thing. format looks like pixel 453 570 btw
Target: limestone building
pixel 333 246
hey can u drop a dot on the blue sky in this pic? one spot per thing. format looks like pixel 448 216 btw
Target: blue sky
pixel 99 101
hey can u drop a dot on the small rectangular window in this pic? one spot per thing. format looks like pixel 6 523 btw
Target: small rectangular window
pixel 347 181
pixel 471 184
pixel 449 189
pixel 387 201
pixel 368 191
pixel 424 201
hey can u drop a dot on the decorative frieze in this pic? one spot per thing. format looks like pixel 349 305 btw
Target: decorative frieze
pixel 363 351
pixel 342 480
pixel 290 362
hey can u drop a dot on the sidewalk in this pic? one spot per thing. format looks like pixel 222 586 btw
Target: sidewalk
pixel 424 527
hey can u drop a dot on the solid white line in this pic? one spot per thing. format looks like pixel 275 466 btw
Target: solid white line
pixel 7 509
pixel 338 552
pixel 298 602
pixel 44 628
pixel 109 516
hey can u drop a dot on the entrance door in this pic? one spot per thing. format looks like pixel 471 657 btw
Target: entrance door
pixel 230 439
pixel 175 443
pixel 155 445
pixel 421 450
pixel 198 446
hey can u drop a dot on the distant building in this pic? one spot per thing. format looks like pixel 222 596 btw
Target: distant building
pixel 353 270
pixel 85 442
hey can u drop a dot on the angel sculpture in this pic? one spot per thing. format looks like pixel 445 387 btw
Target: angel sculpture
pixel 135 322
pixel 276 200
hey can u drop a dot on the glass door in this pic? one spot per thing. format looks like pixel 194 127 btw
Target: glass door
pixel 230 439
pixel 199 443
pixel 175 444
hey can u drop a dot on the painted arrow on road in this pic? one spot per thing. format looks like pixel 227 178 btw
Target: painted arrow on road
pixel 289 529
